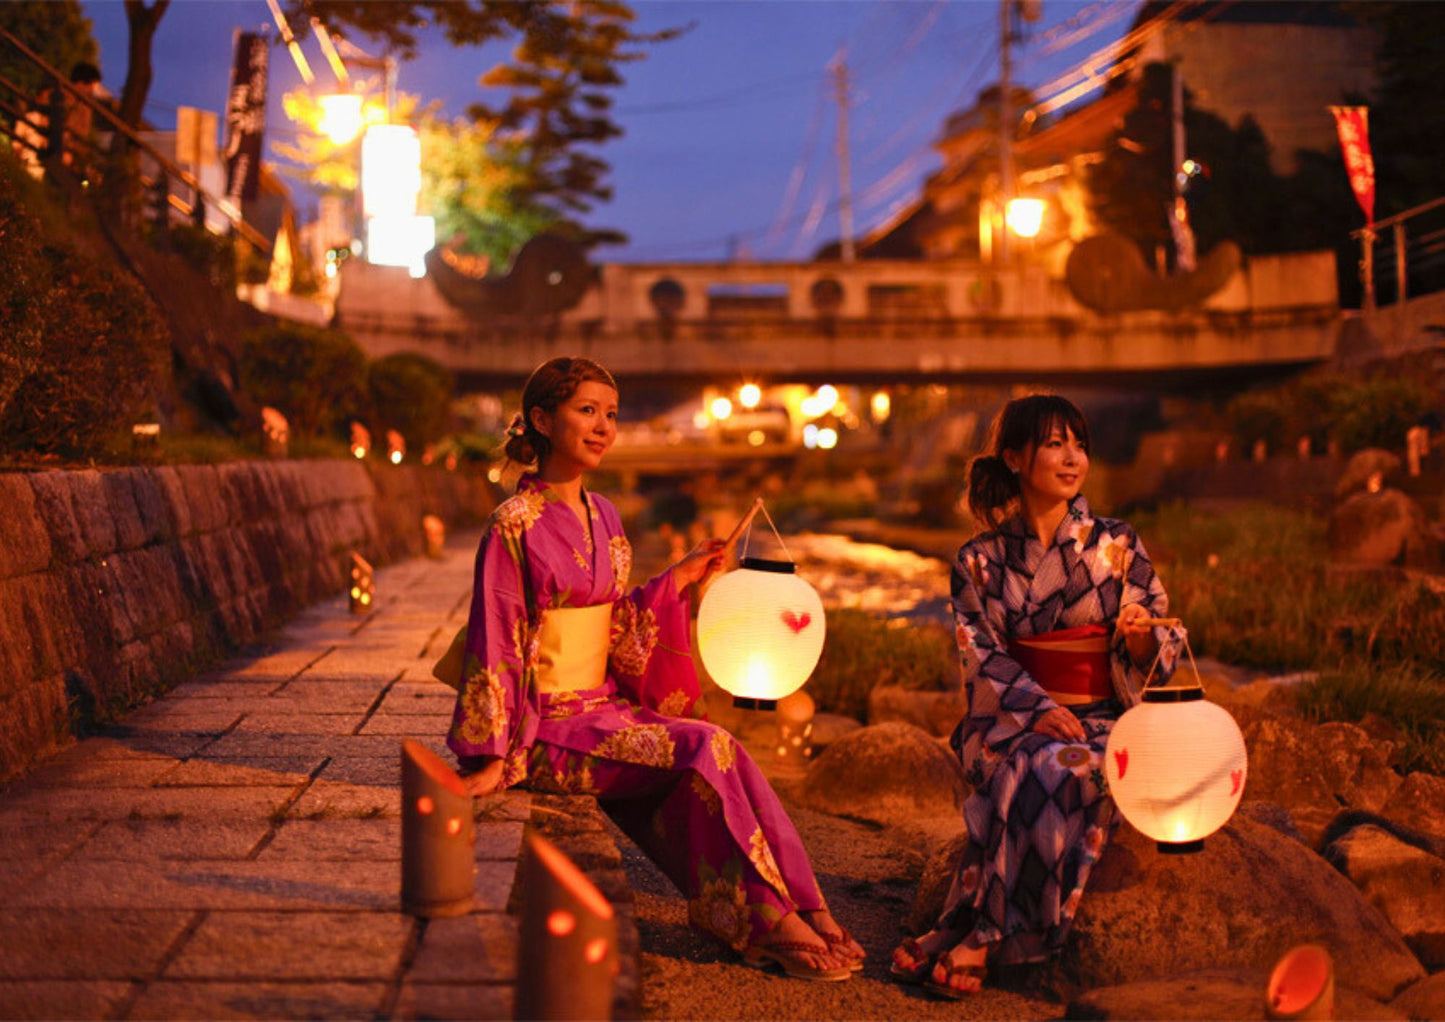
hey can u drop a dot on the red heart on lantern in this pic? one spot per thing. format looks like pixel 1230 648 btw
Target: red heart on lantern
pixel 797 622
pixel 1236 777
pixel 1121 760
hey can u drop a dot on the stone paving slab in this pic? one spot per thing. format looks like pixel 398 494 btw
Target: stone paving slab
pixel 477 948
pixel 180 840
pixel 407 725
pixel 262 946
pixel 260 1000
pixel 120 944
pixel 281 722
pixel 320 840
pixel 454 1001
pixel 261 772
pixel 144 803
pixel 52 999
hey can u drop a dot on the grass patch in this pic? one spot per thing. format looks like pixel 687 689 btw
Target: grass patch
pixel 861 652
pixel 1409 697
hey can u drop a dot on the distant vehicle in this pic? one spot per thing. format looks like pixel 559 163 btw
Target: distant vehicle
pixel 767 424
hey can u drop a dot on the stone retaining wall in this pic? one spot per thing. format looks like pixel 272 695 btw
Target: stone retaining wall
pixel 116 584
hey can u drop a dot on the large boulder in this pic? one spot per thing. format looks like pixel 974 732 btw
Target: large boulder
pixel 1419 804
pixel 936 712
pixel 1209 994
pixel 1406 883
pixel 1424 1000
pixel 934 884
pixel 1375 530
pixel 891 773
pixel 1248 897
pixel 1317 770
pixel 1371 463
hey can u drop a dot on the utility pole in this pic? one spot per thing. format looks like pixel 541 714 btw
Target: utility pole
pixel 1005 126
pixel 1184 253
pixel 839 68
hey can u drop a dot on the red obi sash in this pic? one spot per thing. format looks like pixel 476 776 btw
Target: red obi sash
pixel 1071 664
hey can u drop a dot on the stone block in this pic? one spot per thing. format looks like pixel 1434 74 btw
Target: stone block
pixel 477 948
pixel 204 497
pixel 347 840
pixel 121 506
pixel 54 504
pixel 24 538
pixel 156 520
pixel 454 1001
pixel 36 719
pixel 172 492
pixel 186 840
pixel 52 999
pixel 1406 883
pixel 259 999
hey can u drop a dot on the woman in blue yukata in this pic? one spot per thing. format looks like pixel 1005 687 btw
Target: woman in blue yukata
pixel 573 682
pixel 1051 606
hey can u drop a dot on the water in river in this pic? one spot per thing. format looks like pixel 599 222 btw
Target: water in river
pixel 872 577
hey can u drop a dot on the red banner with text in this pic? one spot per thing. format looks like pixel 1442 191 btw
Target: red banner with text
pixel 1353 124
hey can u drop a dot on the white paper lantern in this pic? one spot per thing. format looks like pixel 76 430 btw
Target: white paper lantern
pixel 760 631
pixel 1175 765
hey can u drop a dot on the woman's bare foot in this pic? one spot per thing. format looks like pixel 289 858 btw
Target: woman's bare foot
pixel 802 944
pixel 914 958
pixel 833 934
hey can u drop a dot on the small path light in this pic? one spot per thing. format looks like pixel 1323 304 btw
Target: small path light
pixel 760 630
pixel 362 587
pixel 435 531
pixel 360 440
pixel 275 433
pixel 567 951
pixel 1176 764
pixel 1302 985
pixel 438 862
pixel 145 437
pixel 795 731
pixel 395 447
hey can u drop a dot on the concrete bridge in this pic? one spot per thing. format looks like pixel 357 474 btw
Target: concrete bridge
pixel 867 322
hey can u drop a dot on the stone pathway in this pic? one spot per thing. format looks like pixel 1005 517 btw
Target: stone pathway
pixel 233 849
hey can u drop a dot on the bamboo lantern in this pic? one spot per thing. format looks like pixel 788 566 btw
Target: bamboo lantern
pixel 360 440
pixel 363 589
pixel 795 730
pixel 1302 985
pixel 395 447
pixel 1175 765
pixel 567 951
pixel 760 632
pixel 275 433
pixel 435 531
pixel 437 836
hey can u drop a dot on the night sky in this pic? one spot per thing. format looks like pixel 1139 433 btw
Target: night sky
pixel 730 131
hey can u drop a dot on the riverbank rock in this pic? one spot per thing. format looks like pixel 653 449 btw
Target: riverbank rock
pixel 1247 898
pixel 886 772
pixel 1379 529
pixel 933 885
pixel 936 712
pixel 1372 461
pixel 1406 883
pixel 1419 803
pixel 1210 994
pixel 1425 1000
pixel 1317 770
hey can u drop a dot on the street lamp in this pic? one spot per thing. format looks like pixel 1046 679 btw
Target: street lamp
pixel 341 117
pixel 1025 216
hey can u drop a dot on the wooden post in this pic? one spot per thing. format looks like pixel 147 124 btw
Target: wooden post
pixel 1367 267
pixel 1401 291
pixel 567 953
pixel 438 836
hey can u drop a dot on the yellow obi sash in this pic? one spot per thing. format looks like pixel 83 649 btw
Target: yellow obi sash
pixel 572 648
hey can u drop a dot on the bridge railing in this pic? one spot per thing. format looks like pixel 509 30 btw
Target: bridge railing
pixel 1403 255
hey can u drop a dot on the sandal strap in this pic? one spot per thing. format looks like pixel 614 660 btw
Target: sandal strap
pixel 837 939
pixel 794 946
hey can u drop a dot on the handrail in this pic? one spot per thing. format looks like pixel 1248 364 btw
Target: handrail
pixel 173 169
pixel 1424 207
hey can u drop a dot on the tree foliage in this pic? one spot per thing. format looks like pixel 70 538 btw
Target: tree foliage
pixel 316 378
pixel 410 394
pixel 57 30
pixel 559 83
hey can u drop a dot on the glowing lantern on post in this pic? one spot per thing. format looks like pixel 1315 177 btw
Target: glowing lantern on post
pixel 1175 765
pixel 567 947
pixel 438 859
pixel 760 632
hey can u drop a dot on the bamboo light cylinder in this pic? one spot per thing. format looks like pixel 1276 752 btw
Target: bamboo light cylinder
pixel 1302 985
pixel 567 952
pixel 435 531
pixel 795 730
pixel 363 589
pixel 438 836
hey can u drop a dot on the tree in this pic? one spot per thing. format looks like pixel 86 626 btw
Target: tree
pixel 563 70
pixel 58 31
pixel 410 394
pixel 142 22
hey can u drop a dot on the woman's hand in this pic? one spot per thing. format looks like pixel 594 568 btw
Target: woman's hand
pixel 1061 724
pixel 1138 637
pixel 486 780
pixel 702 561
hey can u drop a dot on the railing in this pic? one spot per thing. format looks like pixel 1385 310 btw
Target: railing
pixel 55 146
pixel 1404 254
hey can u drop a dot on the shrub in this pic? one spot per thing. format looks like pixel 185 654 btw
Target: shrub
pixel 862 651
pixel 314 377
pixel 1377 412
pixel 82 348
pixel 1257 416
pixel 410 394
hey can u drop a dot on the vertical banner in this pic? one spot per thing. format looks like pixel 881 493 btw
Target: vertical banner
pixel 246 116
pixel 1353 124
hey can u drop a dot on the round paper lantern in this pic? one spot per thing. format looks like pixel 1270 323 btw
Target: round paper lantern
pixel 1175 765
pixel 760 632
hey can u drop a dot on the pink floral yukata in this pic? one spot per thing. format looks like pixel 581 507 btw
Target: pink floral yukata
pixel 1040 815
pixel 681 788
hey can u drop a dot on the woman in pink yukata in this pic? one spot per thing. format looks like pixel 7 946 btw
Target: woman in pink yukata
pixel 1052 607
pixel 572 682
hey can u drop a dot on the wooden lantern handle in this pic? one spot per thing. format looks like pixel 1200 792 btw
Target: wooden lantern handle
pixel 1159 622
pixel 742 525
